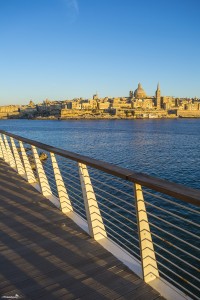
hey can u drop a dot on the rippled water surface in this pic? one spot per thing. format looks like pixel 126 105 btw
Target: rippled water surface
pixel 163 148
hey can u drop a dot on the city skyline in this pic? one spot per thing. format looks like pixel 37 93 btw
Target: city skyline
pixel 97 95
pixel 71 48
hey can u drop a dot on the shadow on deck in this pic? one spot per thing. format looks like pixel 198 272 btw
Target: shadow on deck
pixel 44 255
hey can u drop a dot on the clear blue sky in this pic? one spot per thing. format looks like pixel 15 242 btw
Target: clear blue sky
pixel 61 49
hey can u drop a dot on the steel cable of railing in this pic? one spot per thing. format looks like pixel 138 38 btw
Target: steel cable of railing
pixel 177 275
pixel 134 215
pixel 80 197
pixel 176 216
pixel 67 176
pixel 177 284
pixel 67 180
pixel 55 192
pixel 70 186
pixel 66 167
pixel 105 192
pixel 171 202
pixel 169 243
pixel 132 237
pixel 175 256
pixel 71 177
pixel 181 269
pixel 128 251
pixel 130 221
pixel 181 240
pixel 121 216
pixel 114 188
pixel 123 238
pixel 123 245
pixel 79 208
pixel 111 177
pixel 52 183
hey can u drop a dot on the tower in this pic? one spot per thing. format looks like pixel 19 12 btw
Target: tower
pixel 158 94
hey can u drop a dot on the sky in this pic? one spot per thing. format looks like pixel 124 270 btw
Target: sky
pixel 62 49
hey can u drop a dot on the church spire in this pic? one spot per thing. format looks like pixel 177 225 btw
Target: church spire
pixel 158 96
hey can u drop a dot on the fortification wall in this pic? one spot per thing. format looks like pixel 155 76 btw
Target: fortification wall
pixel 188 113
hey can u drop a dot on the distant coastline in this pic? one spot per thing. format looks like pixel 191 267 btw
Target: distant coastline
pixel 92 117
pixel 138 105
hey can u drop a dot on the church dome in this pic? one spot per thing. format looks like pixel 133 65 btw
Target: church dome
pixel 139 92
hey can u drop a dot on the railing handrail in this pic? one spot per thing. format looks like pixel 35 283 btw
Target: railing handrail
pixel 176 190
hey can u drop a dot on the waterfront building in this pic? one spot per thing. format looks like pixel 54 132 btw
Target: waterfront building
pixel 104 105
pixel 9 111
pixel 167 102
pixel 89 104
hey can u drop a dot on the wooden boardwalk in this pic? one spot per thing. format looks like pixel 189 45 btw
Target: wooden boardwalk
pixel 44 255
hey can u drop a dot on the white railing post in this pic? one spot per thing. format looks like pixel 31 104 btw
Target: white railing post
pixel 20 167
pixel 1 150
pixel 65 202
pixel 44 184
pixel 4 151
pixel 9 152
pixel 95 222
pixel 148 258
pixel 29 172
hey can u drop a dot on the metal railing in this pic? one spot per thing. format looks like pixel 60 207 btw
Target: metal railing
pixel 151 224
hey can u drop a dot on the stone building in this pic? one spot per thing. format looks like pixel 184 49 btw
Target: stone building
pixel 9 111
pixel 90 104
pixel 104 105
pixel 167 102
pixel 143 103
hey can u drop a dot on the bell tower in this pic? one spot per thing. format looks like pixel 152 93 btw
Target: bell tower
pixel 158 96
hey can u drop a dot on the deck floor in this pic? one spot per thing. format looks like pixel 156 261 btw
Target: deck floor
pixel 44 255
